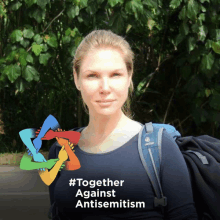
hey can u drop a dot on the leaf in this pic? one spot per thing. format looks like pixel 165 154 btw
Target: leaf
pixel 52 41
pixel 117 22
pixel 208 44
pixel 112 3
pixel 216 66
pixel 203 30
pixel 68 32
pixel 140 88
pixel 184 28
pixel 38 15
pixel 66 39
pixel 182 14
pixel 150 23
pixel 216 47
pixel 201 18
pixel 92 8
pixel 151 3
pixel 42 3
pixel 77 10
pixel 77 41
pixel 215 101
pixel 72 50
pixel 207 92
pixel 15 6
pixel 203 9
pixel 134 7
pixel 192 9
pixel 79 19
pixel 22 57
pixel 24 42
pixel 207 61
pixel 175 3
pixel 28 33
pixel 44 47
pixel 217 34
pixel 84 3
pixel 36 49
pixel 30 2
pixel 13 71
pixel 30 74
pixel 179 39
pixel 38 39
pixel 16 36
pixel 128 28
pixel 29 58
pixel 195 28
pixel 44 58
pixel 19 85
pixel 191 43
pixel 13 55
pixel 73 32
pixel 73 11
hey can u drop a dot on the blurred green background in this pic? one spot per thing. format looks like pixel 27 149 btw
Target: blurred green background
pixel 176 68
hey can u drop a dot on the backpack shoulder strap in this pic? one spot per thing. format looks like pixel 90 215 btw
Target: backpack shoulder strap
pixel 149 147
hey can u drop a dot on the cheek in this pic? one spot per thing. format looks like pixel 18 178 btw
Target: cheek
pixel 121 87
pixel 117 86
pixel 90 85
pixel 88 90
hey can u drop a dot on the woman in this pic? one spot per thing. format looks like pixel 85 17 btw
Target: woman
pixel 108 150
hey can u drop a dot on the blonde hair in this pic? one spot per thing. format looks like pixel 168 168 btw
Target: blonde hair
pixel 98 39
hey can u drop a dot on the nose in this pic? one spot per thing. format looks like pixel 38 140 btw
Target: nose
pixel 105 84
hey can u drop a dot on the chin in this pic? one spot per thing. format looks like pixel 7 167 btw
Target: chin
pixel 105 111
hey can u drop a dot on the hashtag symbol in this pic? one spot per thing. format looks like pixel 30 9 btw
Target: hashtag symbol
pixel 72 182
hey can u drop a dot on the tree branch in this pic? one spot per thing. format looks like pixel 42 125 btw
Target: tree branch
pixel 49 25
pixel 165 116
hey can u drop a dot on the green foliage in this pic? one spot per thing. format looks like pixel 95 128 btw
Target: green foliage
pixel 44 58
pixel 16 36
pixel 37 49
pixel 12 71
pixel 174 39
pixel 31 73
pixel 216 47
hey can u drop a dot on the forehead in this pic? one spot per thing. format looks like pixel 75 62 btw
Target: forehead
pixel 103 59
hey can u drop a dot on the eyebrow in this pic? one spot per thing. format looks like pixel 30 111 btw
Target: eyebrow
pixel 93 71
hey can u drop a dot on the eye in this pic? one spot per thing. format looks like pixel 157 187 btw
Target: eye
pixel 91 75
pixel 117 74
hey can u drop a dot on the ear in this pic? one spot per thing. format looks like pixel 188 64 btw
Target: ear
pixel 75 79
pixel 129 80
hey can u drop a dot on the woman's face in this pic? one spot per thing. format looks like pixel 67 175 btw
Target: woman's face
pixel 103 76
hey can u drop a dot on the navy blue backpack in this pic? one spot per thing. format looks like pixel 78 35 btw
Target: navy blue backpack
pixel 202 156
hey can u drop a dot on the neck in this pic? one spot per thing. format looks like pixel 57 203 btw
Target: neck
pixel 101 127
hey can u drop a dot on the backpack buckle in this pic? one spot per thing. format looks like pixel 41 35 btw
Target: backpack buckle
pixel 160 201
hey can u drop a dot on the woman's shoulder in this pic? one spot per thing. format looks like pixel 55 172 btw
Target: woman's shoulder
pixel 133 127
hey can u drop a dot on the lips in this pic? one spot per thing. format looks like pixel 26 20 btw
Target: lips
pixel 104 101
